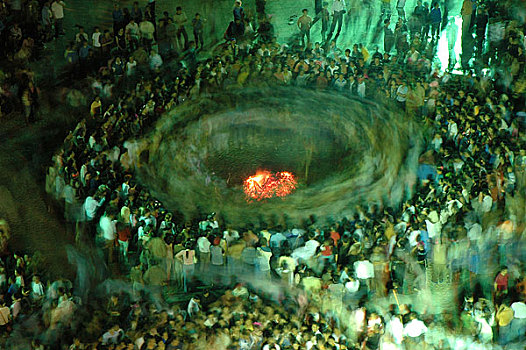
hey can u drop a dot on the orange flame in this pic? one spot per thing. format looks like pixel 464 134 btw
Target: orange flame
pixel 267 185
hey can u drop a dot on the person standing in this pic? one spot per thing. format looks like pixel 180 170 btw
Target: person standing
pixel 180 20
pixel 325 17
pixel 419 13
pixel 123 238
pixel 95 41
pixel 197 24
pixel 239 12
pixel 187 257
pixel 400 9
pixel 57 8
pixel 38 291
pixel 109 232
pixel 217 255
pixel 304 25
pixel 147 30
pixel 500 285
pixel 118 19
pixel 435 16
pixel 466 12
pixel 136 12
pixel 401 95
pixel 414 332
pixel 203 244
pixel 318 6
pixel 338 9
pixel 425 21
pixel 388 36
pixel 47 17
pixel 30 102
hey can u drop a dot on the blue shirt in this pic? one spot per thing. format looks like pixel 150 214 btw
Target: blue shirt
pixel 435 15
pixel 276 240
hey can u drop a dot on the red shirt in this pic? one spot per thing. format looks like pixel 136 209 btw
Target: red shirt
pixel 326 250
pixel 502 282
pixel 124 234
pixel 335 237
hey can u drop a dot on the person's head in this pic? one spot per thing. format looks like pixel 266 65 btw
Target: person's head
pixel 197 15
pixel 305 11
pixel 238 3
pixel 504 270
pixel 178 10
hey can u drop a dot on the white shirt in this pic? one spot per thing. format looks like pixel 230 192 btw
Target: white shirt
pixel 69 194
pixel 519 309
pixel 412 237
pixel 37 289
pixel 396 328
pixel 111 336
pixel 57 7
pixel 95 38
pixel 433 229
pixel 361 89
pixel 264 259
pixel 352 286
pixel 338 5
pixel 130 67
pixel 452 129
pixel 107 227
pixel 475 232
pixel 230 236
pixel 487 203
pixel 204 245
pixel 133 29
pixel 415 328
pixel 83 172
pixel 193 308
pixel 90 206
pixel 156 61
pixel 364 269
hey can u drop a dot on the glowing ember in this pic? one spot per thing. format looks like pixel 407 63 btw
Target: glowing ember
pixel 267 185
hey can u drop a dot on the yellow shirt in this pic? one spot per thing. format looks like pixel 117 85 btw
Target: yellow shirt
pixel 95 107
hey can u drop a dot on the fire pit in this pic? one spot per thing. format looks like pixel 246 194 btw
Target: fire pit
pixel 266 184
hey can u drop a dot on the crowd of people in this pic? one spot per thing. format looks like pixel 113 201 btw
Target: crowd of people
pixel 463 229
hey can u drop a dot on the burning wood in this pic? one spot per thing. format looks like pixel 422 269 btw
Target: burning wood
pixel 266 184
